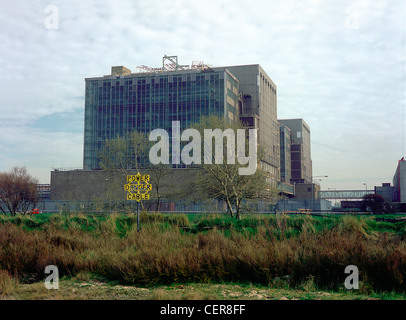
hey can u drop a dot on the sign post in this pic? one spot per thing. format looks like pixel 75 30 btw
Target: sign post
pixel 138 216
pixel 138 187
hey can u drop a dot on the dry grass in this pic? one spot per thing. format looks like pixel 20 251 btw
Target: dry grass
pixel 161 253
pixel 8 283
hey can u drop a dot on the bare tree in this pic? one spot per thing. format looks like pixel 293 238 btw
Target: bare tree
pixel 159 176
pixel 121 155
pixel 18 191
pixel 124 153
pixel 222 180
pixel 118 157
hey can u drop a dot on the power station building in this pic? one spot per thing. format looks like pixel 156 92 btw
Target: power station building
pixel 153 98
pixel 123 101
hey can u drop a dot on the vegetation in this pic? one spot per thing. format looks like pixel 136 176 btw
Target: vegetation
pixel 127 152
pixel 17 191
pixel 374 202
pixel 289 251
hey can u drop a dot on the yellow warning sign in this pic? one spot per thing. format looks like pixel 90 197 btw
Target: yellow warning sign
pixel 138 187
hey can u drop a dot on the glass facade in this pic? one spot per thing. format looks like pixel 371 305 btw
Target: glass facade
pixel 116 105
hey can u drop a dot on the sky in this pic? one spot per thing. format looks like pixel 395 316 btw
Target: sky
pixel 337 64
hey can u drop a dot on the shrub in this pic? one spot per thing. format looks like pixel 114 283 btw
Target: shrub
pixel 8 283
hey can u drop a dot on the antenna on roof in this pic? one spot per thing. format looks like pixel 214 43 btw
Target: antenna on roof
pixel 173 64
pixel 170 63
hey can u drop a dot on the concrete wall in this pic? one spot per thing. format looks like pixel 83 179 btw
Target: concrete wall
pixel 307 190
pixel 259 94
pixel 83 185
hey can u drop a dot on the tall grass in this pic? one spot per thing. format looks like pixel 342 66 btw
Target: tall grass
pixel 8 283
pixel 256 250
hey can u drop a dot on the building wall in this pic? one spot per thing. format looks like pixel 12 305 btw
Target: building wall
pixel 259 96
pixel 307 190
pixel 285 153
pixel 387 192
pixel 297 163
pixel 399 181
pixel 88 185
pixel 301 162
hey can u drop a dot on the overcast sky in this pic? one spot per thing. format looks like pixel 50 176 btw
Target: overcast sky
pixel 338 64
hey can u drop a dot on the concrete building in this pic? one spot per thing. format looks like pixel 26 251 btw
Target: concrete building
pixel 399 181
pixel 387 191
pixel 259 101
pixel 301 161
pixel 123 102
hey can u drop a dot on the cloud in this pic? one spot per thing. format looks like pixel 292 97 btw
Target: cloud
pixel 337 64
pixel 40 151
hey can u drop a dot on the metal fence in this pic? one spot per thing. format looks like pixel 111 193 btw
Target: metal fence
pixel 185 206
